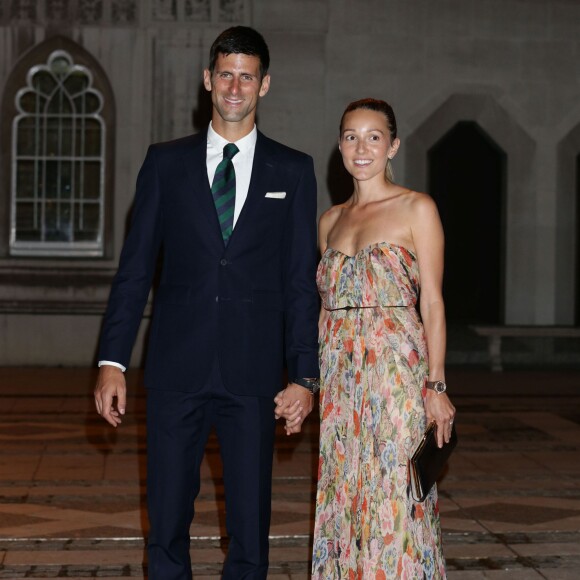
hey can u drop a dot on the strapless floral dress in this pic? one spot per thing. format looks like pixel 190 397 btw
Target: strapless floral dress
pixel 373 358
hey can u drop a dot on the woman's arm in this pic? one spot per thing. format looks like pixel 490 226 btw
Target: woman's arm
pixel 429 244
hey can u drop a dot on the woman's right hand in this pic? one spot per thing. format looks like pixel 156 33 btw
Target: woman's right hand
pixel 439 408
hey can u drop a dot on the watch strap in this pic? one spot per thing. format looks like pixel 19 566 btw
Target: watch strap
pixel 438 386
pixel 313 385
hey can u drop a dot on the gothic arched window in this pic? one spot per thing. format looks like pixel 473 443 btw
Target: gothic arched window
pixel 58 162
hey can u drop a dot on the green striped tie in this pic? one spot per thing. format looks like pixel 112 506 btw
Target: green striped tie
pixel 223 190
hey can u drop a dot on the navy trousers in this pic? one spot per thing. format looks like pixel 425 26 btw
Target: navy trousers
pixel 178 425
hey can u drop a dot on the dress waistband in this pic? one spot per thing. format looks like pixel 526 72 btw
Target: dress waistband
pixel 365 307
pixel 350 308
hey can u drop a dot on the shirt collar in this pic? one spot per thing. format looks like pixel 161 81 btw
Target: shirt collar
pixel 245 144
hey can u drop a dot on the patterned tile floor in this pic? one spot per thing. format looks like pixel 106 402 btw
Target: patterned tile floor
pixel 72 493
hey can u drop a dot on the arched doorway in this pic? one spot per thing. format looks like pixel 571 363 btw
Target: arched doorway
pixel 467 179
pixel 518 292
pixel 567 251
pixel 577 284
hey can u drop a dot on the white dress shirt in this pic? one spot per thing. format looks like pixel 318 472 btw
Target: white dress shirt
pixel 243 161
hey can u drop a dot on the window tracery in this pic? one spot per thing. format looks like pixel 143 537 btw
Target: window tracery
pixel 58 153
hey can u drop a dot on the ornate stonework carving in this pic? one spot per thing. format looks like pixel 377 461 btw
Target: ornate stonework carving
pixel 198 10
pixel 23 9
pixel 90 11
pixel 124 11
pixel 165 10
pixel 57 9
pixel 231 10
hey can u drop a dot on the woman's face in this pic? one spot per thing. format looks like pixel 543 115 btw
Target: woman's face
pixel 365 144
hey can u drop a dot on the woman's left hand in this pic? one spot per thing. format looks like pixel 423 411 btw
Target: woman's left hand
pixel 438 408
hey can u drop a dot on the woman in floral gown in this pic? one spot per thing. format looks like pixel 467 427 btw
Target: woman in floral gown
pixel 379 362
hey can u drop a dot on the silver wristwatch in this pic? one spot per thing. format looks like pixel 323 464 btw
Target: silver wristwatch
pixel 438 386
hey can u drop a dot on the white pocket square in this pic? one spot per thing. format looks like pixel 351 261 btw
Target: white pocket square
pixel 276 194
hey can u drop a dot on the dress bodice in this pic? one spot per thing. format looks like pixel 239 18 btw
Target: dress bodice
pixel 381 274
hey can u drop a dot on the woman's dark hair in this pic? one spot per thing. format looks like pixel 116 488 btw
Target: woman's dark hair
pixel 241 40
pixel 380 107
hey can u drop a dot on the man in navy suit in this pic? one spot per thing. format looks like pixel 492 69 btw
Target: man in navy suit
pixel 235 301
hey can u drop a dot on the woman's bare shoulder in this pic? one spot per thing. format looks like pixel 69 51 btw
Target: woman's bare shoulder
pixel 329 217
pixel 326 224
pixel 416 197
pixel 419 203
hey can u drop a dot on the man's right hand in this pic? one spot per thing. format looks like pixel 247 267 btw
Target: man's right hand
pixel 294 404
pixel 111 384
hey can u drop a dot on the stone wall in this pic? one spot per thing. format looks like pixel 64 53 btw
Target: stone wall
pixel 509 65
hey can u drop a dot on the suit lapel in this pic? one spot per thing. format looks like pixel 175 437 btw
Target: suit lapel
pixel 195 162
pixel 262 169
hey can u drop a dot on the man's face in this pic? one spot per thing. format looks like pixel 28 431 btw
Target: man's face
pixel 235 87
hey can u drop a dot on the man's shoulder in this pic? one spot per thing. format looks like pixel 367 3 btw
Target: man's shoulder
pixel 275 148
pixel 180 144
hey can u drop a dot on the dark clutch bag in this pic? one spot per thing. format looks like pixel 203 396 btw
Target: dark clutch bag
pixel 428 461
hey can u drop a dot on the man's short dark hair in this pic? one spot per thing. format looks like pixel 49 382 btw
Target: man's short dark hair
pixel 241 40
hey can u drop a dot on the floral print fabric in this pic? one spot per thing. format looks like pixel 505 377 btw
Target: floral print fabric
pixel 373 358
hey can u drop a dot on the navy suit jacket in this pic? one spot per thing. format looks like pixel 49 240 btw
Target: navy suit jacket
pixel 252 303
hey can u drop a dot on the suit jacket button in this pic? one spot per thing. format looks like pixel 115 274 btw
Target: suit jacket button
pixel 223 262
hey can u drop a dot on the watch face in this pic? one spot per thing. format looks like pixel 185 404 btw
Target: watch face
pixel 440 387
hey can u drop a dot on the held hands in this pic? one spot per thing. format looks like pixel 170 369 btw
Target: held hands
pixel 294 404
pixel 438 408
pixel 111 384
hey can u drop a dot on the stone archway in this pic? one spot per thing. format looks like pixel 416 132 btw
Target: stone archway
pixel 568 229
pixel 519 240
